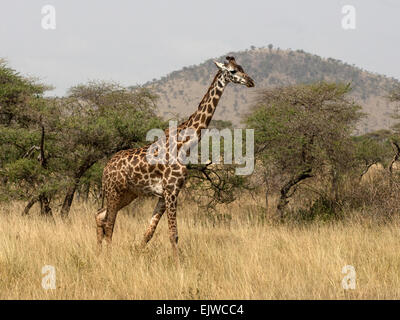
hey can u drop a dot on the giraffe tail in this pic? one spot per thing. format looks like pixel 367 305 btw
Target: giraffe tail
pixel 102 203
pixel 102 212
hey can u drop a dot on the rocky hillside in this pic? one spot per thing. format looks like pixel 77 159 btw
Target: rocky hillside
pixel 181 91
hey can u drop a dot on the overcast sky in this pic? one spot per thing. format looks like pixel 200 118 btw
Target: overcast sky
pixel 133 42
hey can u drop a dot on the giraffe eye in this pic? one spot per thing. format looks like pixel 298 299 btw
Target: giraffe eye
pixel 233 71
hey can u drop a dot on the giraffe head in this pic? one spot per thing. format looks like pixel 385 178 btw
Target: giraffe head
pixel 234 73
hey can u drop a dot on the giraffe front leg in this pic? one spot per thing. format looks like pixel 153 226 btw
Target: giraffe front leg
pixel 171 204
pixel 157 214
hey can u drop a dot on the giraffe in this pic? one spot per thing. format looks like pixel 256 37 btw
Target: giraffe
pixel 129 174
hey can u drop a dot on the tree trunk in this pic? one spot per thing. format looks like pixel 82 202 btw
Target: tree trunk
pixel 396 149
pixel 71 190
pixel 45 209
pixel 68 200
pixel 283 200
pixel 335 188
pixel 266 191
pixel 86 192
pixel 29 206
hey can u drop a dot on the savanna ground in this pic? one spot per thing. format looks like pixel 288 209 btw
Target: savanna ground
pixel 240 255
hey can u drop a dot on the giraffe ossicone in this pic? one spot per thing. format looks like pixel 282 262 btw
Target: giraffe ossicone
pixel 130 173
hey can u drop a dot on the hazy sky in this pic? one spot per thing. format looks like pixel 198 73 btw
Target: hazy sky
pixel 135 41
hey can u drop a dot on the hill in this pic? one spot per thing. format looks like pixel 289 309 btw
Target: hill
pixel 181 91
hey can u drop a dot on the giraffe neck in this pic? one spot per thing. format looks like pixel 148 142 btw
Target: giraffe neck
pixel 201 118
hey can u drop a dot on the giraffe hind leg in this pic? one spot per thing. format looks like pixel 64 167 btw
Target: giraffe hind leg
pixel 113 207
pixel 109 223
pixel 101 216
pixel 157 214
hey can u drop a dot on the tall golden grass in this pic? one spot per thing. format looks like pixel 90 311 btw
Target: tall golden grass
pixel 241 255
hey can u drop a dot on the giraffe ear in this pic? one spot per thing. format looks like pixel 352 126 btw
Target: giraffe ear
pixel 220 65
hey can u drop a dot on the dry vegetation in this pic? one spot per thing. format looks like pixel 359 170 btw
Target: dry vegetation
pixel 240 255
pixel 338 201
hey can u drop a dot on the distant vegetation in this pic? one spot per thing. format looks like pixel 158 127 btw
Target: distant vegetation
pixel 309 156
pixel 271 68
pixel 308 152
pixel 303 132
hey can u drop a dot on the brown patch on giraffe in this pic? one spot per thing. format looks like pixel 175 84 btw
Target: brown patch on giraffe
pixel 171 180
pixel 175 166
pixel 135 160
pixel 176 173
pixel 138 175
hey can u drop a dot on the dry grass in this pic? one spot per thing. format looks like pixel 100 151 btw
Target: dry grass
pixel 238 257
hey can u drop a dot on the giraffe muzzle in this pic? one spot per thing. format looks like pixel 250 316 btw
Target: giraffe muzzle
pixel 250 83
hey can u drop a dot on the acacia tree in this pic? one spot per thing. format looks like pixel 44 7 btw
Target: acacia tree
pixel 48 145
pixel 302 131
pixel 211 184
pixel 24 120
pixel 101 119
